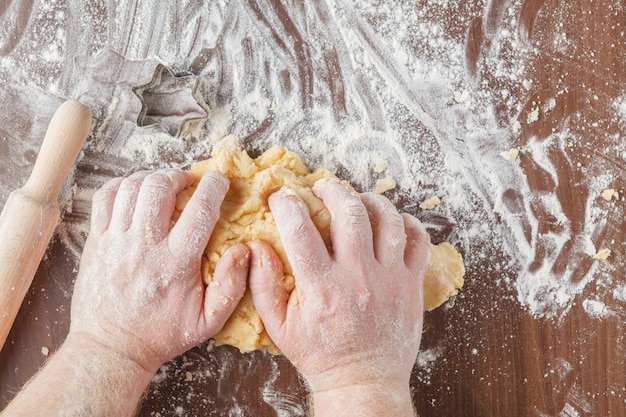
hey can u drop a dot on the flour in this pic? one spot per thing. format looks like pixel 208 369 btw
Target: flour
pixel 426 361
pixel 596 308
pixel 369 90
pixel 619 293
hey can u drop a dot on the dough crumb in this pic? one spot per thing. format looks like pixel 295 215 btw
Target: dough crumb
pixel 517 126
pixel 609 194
pixel 461 97
pixel 511 154
pixel 45 351
pixel 430 203
pixel 385 184
pixel 293 299
pixel 381 166
pixel 533 116
pixel 188 376
pixel 603 254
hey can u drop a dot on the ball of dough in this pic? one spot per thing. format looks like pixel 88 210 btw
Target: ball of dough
pixel 245 216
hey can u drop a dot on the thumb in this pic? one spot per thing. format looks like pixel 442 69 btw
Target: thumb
pixel 193 229
pixel 266 286
pixel 227 288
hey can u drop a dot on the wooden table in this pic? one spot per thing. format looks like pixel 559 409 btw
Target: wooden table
pixel 537 329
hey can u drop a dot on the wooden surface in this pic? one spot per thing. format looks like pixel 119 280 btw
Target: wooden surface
pixel 497 349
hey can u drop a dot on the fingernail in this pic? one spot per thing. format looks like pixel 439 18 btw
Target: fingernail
pixel 415 222
pixel 328 180
pixel 190 177
pixel 322 182
pixel 281 194
pixel 244 261
pixel 262 256
pixel 217 178
pixel 286 192
pixel 241 253
pixel 288 199
pixel 174 177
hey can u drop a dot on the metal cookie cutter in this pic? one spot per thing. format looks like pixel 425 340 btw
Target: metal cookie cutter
pixel 171 101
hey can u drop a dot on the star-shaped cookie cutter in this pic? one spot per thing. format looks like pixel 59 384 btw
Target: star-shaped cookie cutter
pixel 171 101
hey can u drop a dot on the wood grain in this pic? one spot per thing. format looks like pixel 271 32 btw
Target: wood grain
pixel 486 353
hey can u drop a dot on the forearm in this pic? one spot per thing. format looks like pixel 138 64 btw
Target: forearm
pixel 83 379
pixel 375 400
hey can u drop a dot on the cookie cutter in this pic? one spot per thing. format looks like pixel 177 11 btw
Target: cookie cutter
pixel 171 101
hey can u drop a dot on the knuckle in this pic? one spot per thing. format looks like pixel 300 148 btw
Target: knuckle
pixel 134 181
pixel 384 208
pixel 103 195
pixel 393 219
pixel 354 208
pixel 205 210
pixel 297 228
pixel 157 181
pixel 216 181
pixel 300 230
pixel 129 186
pixel 395 243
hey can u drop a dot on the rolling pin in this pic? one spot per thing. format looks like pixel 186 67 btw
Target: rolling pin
pixel 32 212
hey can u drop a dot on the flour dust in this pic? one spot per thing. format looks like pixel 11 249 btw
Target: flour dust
pixel 369 90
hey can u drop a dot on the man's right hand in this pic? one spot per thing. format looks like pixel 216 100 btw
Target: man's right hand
pixel 354 319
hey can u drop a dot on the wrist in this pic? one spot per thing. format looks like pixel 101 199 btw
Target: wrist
pixel 363 390
pixel 363 373
pixel 85 345
pixel 379 398
pixel 84 378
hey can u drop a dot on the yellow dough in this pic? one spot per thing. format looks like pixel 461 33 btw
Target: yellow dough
pixel 444 275
pixel 245 216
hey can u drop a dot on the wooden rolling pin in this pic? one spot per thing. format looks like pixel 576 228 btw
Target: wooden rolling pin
pixel 31 213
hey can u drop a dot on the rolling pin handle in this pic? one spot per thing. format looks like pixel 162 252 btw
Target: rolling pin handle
pixel 63 141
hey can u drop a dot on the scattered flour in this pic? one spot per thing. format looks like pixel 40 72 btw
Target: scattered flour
pixel 389 94
pixel 426 362
pixel 619 293
pixel 596 308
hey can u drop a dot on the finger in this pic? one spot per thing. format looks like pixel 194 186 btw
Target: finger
pixel 417 252
pixel 303 244
pixel 102 206
pixel 156 201
pixel 227 288
pixel 192 231
pixel 126 200
pixel 350 229
pixel 387 228
pixel 266 286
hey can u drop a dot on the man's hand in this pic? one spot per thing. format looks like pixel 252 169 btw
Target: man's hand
pixel 139 291
pixel 139 299
pixel 353 324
